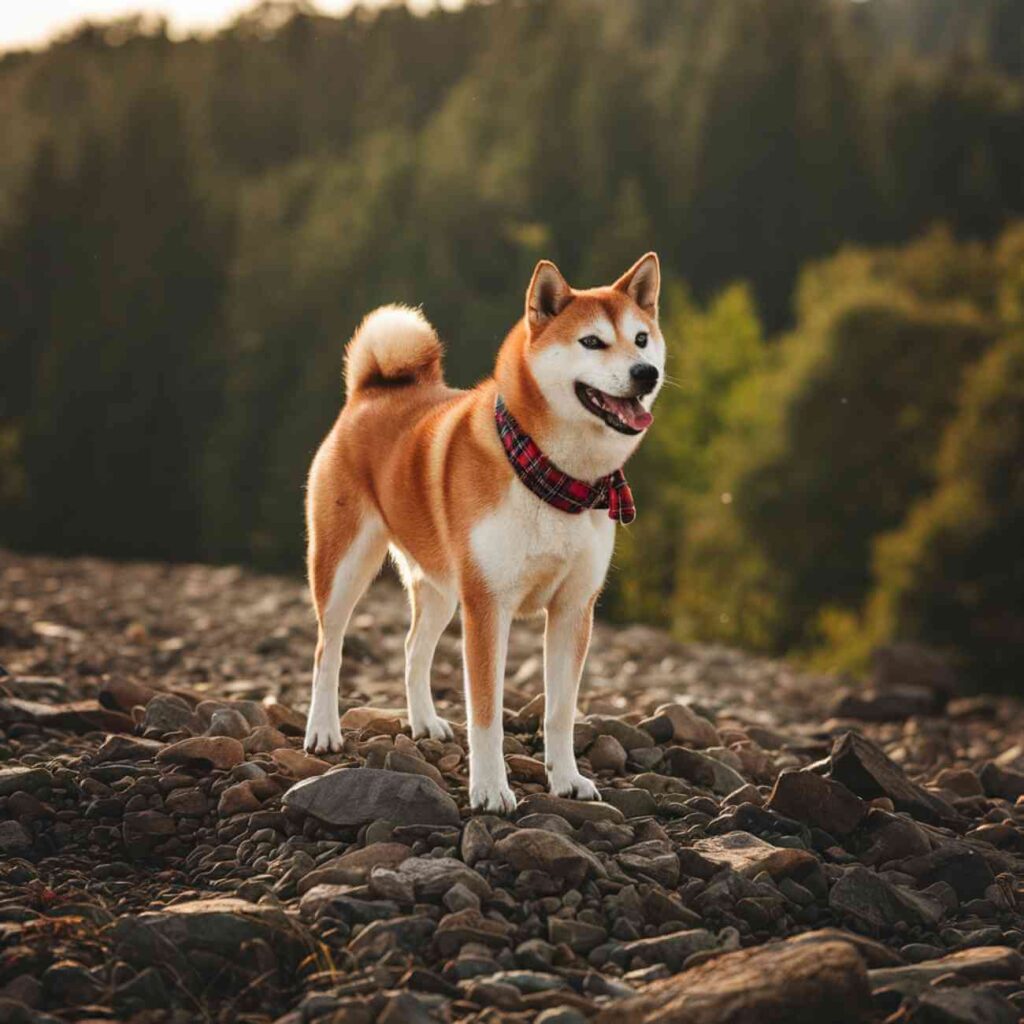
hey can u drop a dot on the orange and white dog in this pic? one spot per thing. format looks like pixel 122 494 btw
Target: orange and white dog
pixel 440 476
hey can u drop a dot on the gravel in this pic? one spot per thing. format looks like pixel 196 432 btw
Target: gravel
pixel 765 848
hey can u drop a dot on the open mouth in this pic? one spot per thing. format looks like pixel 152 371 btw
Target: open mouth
pixel 626 415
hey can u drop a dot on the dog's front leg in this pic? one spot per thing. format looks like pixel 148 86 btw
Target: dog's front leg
pixel 485 627
pixel 566 640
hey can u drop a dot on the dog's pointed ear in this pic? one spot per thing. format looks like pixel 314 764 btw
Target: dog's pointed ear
pixel 642 283
pixel 549 293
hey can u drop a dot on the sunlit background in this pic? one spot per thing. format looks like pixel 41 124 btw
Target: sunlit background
pixel 198 204
pixel 34 24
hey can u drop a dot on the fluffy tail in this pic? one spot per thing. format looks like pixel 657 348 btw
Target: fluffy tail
pixel 394 346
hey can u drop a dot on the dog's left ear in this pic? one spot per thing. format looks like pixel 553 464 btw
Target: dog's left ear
pixel 642 283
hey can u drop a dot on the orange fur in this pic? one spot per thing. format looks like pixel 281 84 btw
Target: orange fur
pixel 417 464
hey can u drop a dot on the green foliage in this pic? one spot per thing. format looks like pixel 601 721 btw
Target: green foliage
pixel 711 352
pixel 953 574
pixel 115 300
pixel 833 440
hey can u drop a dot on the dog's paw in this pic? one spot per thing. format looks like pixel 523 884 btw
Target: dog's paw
pixel 492 799
pixel 436 728
pixel 322 737
pixel 574 786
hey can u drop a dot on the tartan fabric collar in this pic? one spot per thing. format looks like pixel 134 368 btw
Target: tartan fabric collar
pixel 550 484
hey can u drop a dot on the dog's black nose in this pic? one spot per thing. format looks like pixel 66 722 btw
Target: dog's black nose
pixel 645 376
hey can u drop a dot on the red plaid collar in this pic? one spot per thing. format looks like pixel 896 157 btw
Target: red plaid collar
pixel 549 483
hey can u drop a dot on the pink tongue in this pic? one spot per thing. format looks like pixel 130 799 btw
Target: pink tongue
pixel 630 411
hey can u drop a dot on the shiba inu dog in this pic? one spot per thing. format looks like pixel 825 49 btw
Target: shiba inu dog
pixel 502 499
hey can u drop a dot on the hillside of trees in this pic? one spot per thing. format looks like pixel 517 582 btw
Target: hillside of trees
pixel 189 230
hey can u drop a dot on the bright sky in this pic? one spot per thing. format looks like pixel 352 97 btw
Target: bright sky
pixel 33 22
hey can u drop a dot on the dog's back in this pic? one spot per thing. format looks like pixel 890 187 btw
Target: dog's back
pixel 403 445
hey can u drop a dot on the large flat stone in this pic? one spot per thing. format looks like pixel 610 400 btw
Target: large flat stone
pixel 822 802
pixel 786 982
pixel 749 856
pixel 536 849
pixel 878 906
pixel 983 963
pixel 23 777
pixel 867 770
pixel 181 935
pixel 357 796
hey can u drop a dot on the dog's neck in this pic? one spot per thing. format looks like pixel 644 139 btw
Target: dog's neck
pixel 586 454
pixel 586 451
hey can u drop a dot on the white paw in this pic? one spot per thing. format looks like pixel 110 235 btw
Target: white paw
pixel 323 735
pixel 436 728
pixel 492 798
pixel 572 785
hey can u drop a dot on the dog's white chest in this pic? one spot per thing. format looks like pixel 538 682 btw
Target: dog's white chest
pixel 526 549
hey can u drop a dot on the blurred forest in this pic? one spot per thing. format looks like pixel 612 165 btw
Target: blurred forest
pixel 189 230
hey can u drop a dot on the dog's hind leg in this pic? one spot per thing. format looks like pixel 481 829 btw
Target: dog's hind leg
pixel 431 611
pixel 339 574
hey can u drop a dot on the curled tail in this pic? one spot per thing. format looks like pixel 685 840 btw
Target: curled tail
pixel 394 346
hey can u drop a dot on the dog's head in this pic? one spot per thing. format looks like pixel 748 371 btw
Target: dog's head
pixel 597 355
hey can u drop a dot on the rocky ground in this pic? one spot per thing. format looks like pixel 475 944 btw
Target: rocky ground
pixel 769 847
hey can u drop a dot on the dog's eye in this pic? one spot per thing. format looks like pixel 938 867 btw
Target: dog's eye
pixel 592 341
pixel 641 340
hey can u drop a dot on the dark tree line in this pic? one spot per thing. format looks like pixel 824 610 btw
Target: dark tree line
pixel 189 231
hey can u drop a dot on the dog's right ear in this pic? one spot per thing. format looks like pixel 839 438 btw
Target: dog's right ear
pixel 549 293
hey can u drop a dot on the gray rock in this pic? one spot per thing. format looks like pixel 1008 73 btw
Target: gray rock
pixel 548 822
pixel 656 859
pixel 560 1015
pixel 576 812
pixel 397 761
pixel 1002 782
pixel 426 878
pixel 356 796
pixel 877 906
pixel 892 705
pixel 128 748
pixel 703 769
pixel 631 737
pixel 477 843
pixel 530 981
pixel 797 984
pixel 962 1006
pixel 632 802
pixel 529 849
pixel 460 897
pixel 865 769
pixel 606 753
pixel 15 839
pixel 464 926
pixel 145 991
pixel 229 722
pixel 379 938
pixel 956 864
pixel 167 713
pixel 689 728
pixel 338 901
pixel 672 949
pixel 873 953
pixel 220 926
pixel 816 800
pixel 23 777
pixel 983 963
pixel 579 936
pixel 748 855
pixel 884 837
